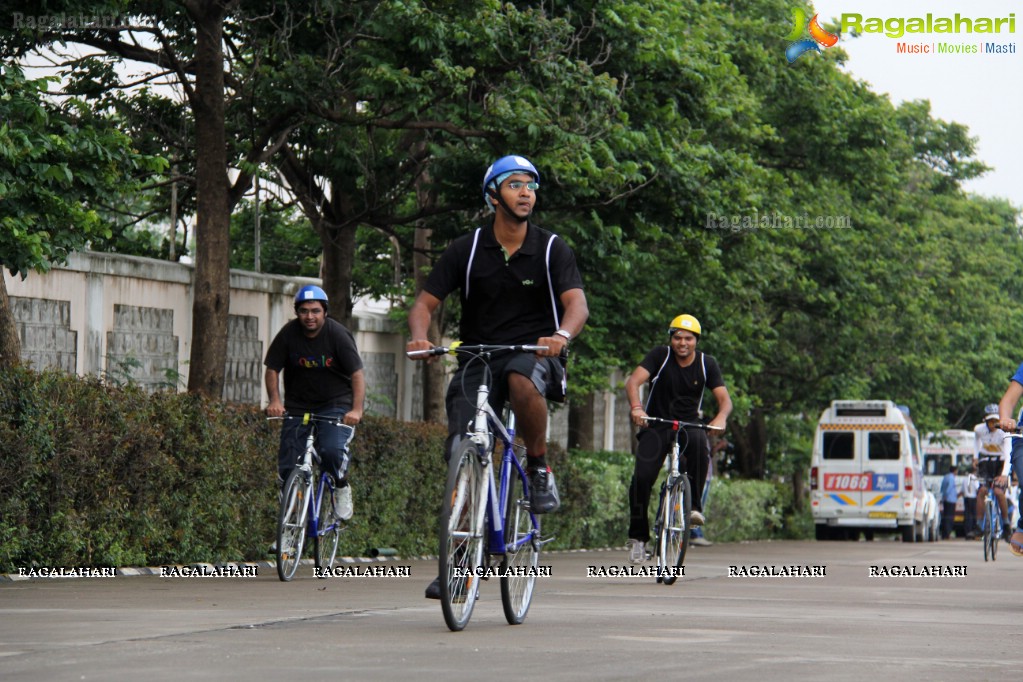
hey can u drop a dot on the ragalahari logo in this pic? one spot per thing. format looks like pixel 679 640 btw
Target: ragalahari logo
pixel 799 43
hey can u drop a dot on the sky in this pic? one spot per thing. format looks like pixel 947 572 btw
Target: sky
pixel 982 91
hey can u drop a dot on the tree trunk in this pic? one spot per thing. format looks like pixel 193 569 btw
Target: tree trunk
pixel 10 342
pixel 756 464
pixel 580 422
pixel 338 246
pixel 211 279
pixel 750 441
pixel 797 489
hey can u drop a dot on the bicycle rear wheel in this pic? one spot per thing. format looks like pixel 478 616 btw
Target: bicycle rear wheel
pixel 521 553
pixel 328 529
pixel 675 528
pixel 291 524
pixel 461 535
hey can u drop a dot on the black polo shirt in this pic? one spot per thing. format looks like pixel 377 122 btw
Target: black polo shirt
pixel 508 300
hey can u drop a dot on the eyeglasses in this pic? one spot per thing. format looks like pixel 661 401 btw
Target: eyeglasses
pixel 516 185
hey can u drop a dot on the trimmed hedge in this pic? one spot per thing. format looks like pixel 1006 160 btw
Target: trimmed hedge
pixel 97 475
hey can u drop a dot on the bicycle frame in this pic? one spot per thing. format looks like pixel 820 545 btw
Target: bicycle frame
pixel 482 509
pixel 498 492
pixel 303 520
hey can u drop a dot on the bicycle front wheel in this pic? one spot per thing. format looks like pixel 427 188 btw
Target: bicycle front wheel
pixel 675 529
pixel 986 523
pixel 291 524
pixel 328 529
pixel 996 531
pixel 522 555
pixel 461 535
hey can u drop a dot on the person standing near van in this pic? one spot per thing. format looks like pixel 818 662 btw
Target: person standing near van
pixel 678 374
pixel 949 494
pixel 971 484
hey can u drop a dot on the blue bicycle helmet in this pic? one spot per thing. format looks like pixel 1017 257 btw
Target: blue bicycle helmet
pixel 505 166
pixel 311 292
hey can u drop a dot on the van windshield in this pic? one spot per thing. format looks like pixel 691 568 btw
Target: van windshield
pixel 934 465
pixel 838 445
pixel 884 445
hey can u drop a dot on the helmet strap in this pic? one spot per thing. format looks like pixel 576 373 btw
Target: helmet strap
pixel 496 194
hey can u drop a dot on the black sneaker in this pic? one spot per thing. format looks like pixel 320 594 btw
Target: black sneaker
pixel 543 491
pixel 1006 531
pixel 433 589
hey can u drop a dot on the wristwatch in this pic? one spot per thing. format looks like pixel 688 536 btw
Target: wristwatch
pixel 567 336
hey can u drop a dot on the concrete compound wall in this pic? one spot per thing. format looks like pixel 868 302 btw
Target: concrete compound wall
pixel 129 318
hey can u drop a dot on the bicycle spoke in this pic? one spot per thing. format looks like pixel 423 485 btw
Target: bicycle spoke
pixel 522 555
pixel 675 530
pixel 328 529
pixel 291 525
pixel 461 546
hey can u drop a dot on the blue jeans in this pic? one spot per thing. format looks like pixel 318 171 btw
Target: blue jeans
pixel 331 443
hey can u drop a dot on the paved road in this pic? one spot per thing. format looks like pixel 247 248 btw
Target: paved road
pixel 844 625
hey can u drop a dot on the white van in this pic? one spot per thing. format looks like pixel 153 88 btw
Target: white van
pixel 866 474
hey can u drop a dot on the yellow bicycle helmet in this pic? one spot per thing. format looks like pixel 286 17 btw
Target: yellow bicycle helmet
pixel 686 322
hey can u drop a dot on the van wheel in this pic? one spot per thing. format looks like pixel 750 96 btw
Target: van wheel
pixel 868 535
pixel 822 531
pixel 909 533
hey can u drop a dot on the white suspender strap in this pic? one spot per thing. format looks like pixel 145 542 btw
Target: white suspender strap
pixel 703 365
pixel 653 382
pixel 472 254
pixel 550 283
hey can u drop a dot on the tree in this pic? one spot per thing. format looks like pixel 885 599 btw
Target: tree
pixel 59 161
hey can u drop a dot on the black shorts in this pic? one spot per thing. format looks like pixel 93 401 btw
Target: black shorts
pixel 461 395
pixel 988 470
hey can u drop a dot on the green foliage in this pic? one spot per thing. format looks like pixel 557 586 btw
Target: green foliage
pixel 649 122
pixel 58 162
pixel 99 475
pixel 746 510
pixel 594 490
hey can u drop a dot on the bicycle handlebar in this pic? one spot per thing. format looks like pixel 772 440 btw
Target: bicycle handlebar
pixel 678 424
pixel 458 347
pixel 307 417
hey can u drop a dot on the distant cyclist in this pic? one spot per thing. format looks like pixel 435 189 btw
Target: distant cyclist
pixel 991 452
pixel 678 374
pixel 323 375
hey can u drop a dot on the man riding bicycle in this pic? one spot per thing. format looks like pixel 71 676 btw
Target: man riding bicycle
pixel 519 284
pixel 323 374
pixel 991 452
pixel 678 375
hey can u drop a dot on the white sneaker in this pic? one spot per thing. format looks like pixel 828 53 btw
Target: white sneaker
pixel 700 541
pixel 343 503
pixel 696 518
pixel 637 551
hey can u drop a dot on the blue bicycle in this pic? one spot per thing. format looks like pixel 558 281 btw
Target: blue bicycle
pixel 307 506
pixel 484 518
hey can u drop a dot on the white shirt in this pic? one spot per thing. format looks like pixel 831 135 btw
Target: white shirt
pixel 971 484
pixel 992 444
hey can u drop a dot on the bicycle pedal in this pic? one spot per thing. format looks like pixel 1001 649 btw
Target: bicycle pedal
pixel 544 541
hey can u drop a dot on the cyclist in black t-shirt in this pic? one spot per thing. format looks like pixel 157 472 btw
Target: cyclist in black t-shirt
pixel 678 375
pixel 323 375
pixel 519 284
